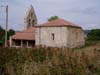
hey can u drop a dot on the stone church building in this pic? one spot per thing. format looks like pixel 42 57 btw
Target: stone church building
pixel 56 33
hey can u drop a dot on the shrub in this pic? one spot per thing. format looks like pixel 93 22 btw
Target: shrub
pixel 94 35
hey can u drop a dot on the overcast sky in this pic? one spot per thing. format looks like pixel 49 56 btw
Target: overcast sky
pixel 85 13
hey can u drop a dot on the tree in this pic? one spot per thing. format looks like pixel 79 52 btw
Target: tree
pixel 53 18
pixel 10 33
pixel 1 29
pixel 2 34
pixel 94 35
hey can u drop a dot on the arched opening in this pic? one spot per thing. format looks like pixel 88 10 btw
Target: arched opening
pixel 33 22
pixel 29 22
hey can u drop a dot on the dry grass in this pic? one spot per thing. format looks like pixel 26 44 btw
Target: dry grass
pixel 50 61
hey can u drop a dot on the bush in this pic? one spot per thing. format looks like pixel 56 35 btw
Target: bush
pixel 94 35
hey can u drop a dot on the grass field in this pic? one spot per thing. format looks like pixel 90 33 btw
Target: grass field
pixel 51 61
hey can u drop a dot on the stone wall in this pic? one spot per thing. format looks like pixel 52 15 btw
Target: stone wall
pixel 59 36
pixel 76 37
pixel 44 36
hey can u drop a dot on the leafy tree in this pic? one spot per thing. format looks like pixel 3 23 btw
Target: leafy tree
pixel 10 33
pixel 2 33
pixel 94 35
pixel 1 28
pixel 53 18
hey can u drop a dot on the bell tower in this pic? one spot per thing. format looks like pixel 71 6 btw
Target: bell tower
pixel 30 19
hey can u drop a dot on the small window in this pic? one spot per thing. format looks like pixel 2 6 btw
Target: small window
pixel 53 36
pixel 31 14
pixel 29 20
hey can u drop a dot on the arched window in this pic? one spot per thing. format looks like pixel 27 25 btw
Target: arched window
pixel 31 14
pixel 33 22
pixel 53 36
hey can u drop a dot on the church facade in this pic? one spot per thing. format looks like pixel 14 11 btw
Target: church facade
pixel 56 33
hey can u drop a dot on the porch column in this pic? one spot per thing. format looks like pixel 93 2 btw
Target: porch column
pixel 27 44
pixel 10 42
pixel 21 43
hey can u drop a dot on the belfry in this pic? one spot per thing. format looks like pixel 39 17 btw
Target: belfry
pixel 30 19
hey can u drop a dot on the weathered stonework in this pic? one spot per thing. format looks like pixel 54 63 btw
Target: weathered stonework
pixel 63 36
pixel 75 37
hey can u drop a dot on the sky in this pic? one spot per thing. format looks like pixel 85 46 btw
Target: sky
pixel 85 13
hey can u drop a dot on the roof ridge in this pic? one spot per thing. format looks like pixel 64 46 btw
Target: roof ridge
pixel 59 22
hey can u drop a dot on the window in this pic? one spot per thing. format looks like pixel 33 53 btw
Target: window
pixel 53 36
pixel 33 22
pixel 31 14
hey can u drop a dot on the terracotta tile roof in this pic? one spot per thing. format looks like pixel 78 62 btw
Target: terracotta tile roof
pixel 58 22
pixel 29 30
pixel 28 34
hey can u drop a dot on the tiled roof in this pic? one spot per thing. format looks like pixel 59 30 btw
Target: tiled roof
pixel 58 22
pixel 28 34
pixel 30 30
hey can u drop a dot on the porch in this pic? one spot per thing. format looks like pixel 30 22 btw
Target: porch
pixel 23 43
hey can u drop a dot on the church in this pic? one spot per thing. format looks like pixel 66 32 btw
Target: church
pixel 56 33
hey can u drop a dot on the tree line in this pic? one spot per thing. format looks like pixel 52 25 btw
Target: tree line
pixel 2 35
pixel 94 35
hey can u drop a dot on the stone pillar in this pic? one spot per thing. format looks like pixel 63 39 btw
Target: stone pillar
pixel 10 41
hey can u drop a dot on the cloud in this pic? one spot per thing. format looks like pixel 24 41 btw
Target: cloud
pixel 91 26
pixel 83 12
pixel 86 11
